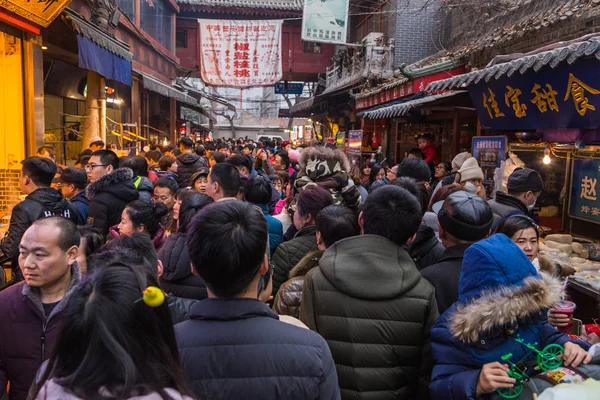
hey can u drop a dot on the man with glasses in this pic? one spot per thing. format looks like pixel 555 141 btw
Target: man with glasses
pixel 110 190
pixel 72 183
pixel 164 192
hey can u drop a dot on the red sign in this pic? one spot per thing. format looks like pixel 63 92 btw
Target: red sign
pixel 405 89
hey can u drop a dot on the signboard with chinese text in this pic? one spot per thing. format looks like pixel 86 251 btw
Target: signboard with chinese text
pixel 489 152
pixel 325 21
pixel 406 89
pixel 289 88
pixel 42 12
pixel 565 97
pixel 240 53
pixel 585 202
pixel 355 139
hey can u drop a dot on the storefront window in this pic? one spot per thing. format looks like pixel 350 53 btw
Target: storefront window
pixel 126 7
pixel 156 20
pixel 12 117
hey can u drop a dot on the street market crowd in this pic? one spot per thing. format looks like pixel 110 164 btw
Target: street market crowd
pixel 234 269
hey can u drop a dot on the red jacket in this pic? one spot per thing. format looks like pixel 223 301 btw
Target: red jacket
pixel 27 337
pixel 431 153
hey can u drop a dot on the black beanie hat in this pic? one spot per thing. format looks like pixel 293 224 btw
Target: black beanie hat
pixel 466 216
pixel 414 168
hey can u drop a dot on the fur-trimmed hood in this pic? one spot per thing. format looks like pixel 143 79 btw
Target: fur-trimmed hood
pixel 120 177
pixel 307 263
pixel 320 161
pixel 503 306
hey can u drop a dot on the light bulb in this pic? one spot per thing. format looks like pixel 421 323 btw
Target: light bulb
pixel 165 142
pixel 547 160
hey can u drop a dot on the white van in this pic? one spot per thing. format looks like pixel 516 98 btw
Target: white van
pixel 262 137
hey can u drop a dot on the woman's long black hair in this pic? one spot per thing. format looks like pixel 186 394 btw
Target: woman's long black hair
pixel 149 215
pixel 112 345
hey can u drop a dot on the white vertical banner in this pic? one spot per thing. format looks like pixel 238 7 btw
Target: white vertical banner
pixel 325 21
pixel 240 53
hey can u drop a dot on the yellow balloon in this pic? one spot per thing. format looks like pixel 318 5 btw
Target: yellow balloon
pixel 153 296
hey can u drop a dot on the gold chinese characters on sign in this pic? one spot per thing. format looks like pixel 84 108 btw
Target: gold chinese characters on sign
pixel 543 97
pixel 41 12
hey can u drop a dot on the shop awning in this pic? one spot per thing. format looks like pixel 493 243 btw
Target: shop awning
pixel 398 110
pixel 157 86
pixel 100 52
pixel 553 58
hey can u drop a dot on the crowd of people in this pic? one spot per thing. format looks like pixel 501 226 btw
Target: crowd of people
pixel 231 269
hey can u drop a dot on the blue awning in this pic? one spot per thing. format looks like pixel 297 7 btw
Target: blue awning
pixel 107 64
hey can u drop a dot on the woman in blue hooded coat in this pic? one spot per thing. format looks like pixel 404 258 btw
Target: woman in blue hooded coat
pixel 500 296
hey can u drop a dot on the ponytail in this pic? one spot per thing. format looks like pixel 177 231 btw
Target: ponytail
pixel 149 215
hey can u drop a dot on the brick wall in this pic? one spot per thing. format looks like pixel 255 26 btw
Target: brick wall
pixel 419 31
pixel 9 189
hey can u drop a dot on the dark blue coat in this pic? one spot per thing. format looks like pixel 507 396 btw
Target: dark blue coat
pixel 238 349
pixel 81 203
pixel 501 296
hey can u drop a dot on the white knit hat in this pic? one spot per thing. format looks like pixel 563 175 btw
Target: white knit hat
pixel 460 158
pixel 470 170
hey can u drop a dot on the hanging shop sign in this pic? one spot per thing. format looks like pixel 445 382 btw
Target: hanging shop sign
pixel 289 88
pixel 405 89
pixel 325 21
pixel 240 53
pixel 585 202
pixel 42 12
pixel 565 97
pixel 355 139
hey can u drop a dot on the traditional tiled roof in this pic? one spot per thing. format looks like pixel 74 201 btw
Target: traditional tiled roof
pixel 398 110
pixel 569 54
pixel 288 5
pixel 520 20
pixel 389 85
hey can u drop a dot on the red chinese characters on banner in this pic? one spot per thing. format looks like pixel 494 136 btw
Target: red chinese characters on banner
pixel 240 53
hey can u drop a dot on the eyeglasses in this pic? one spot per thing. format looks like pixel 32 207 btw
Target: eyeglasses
pixel 161 198
pixel 90 167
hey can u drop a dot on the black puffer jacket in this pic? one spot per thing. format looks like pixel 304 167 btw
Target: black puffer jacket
pixel 238 349
pixel 177 277
pixel 289 253
pixel 426 249
pixel 187 165
pixel 108 197
pixel 371 305
pixel 41 203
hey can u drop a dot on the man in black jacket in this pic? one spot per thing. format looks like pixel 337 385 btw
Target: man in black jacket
pixel 187 162
pixel 110 190
pixel 234 346
pixel 41 201
pixel 369 302
pixel 524 187
pixel 464 218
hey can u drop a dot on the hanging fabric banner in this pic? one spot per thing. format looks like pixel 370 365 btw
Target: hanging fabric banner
pixel 240 53
pixel 325 21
